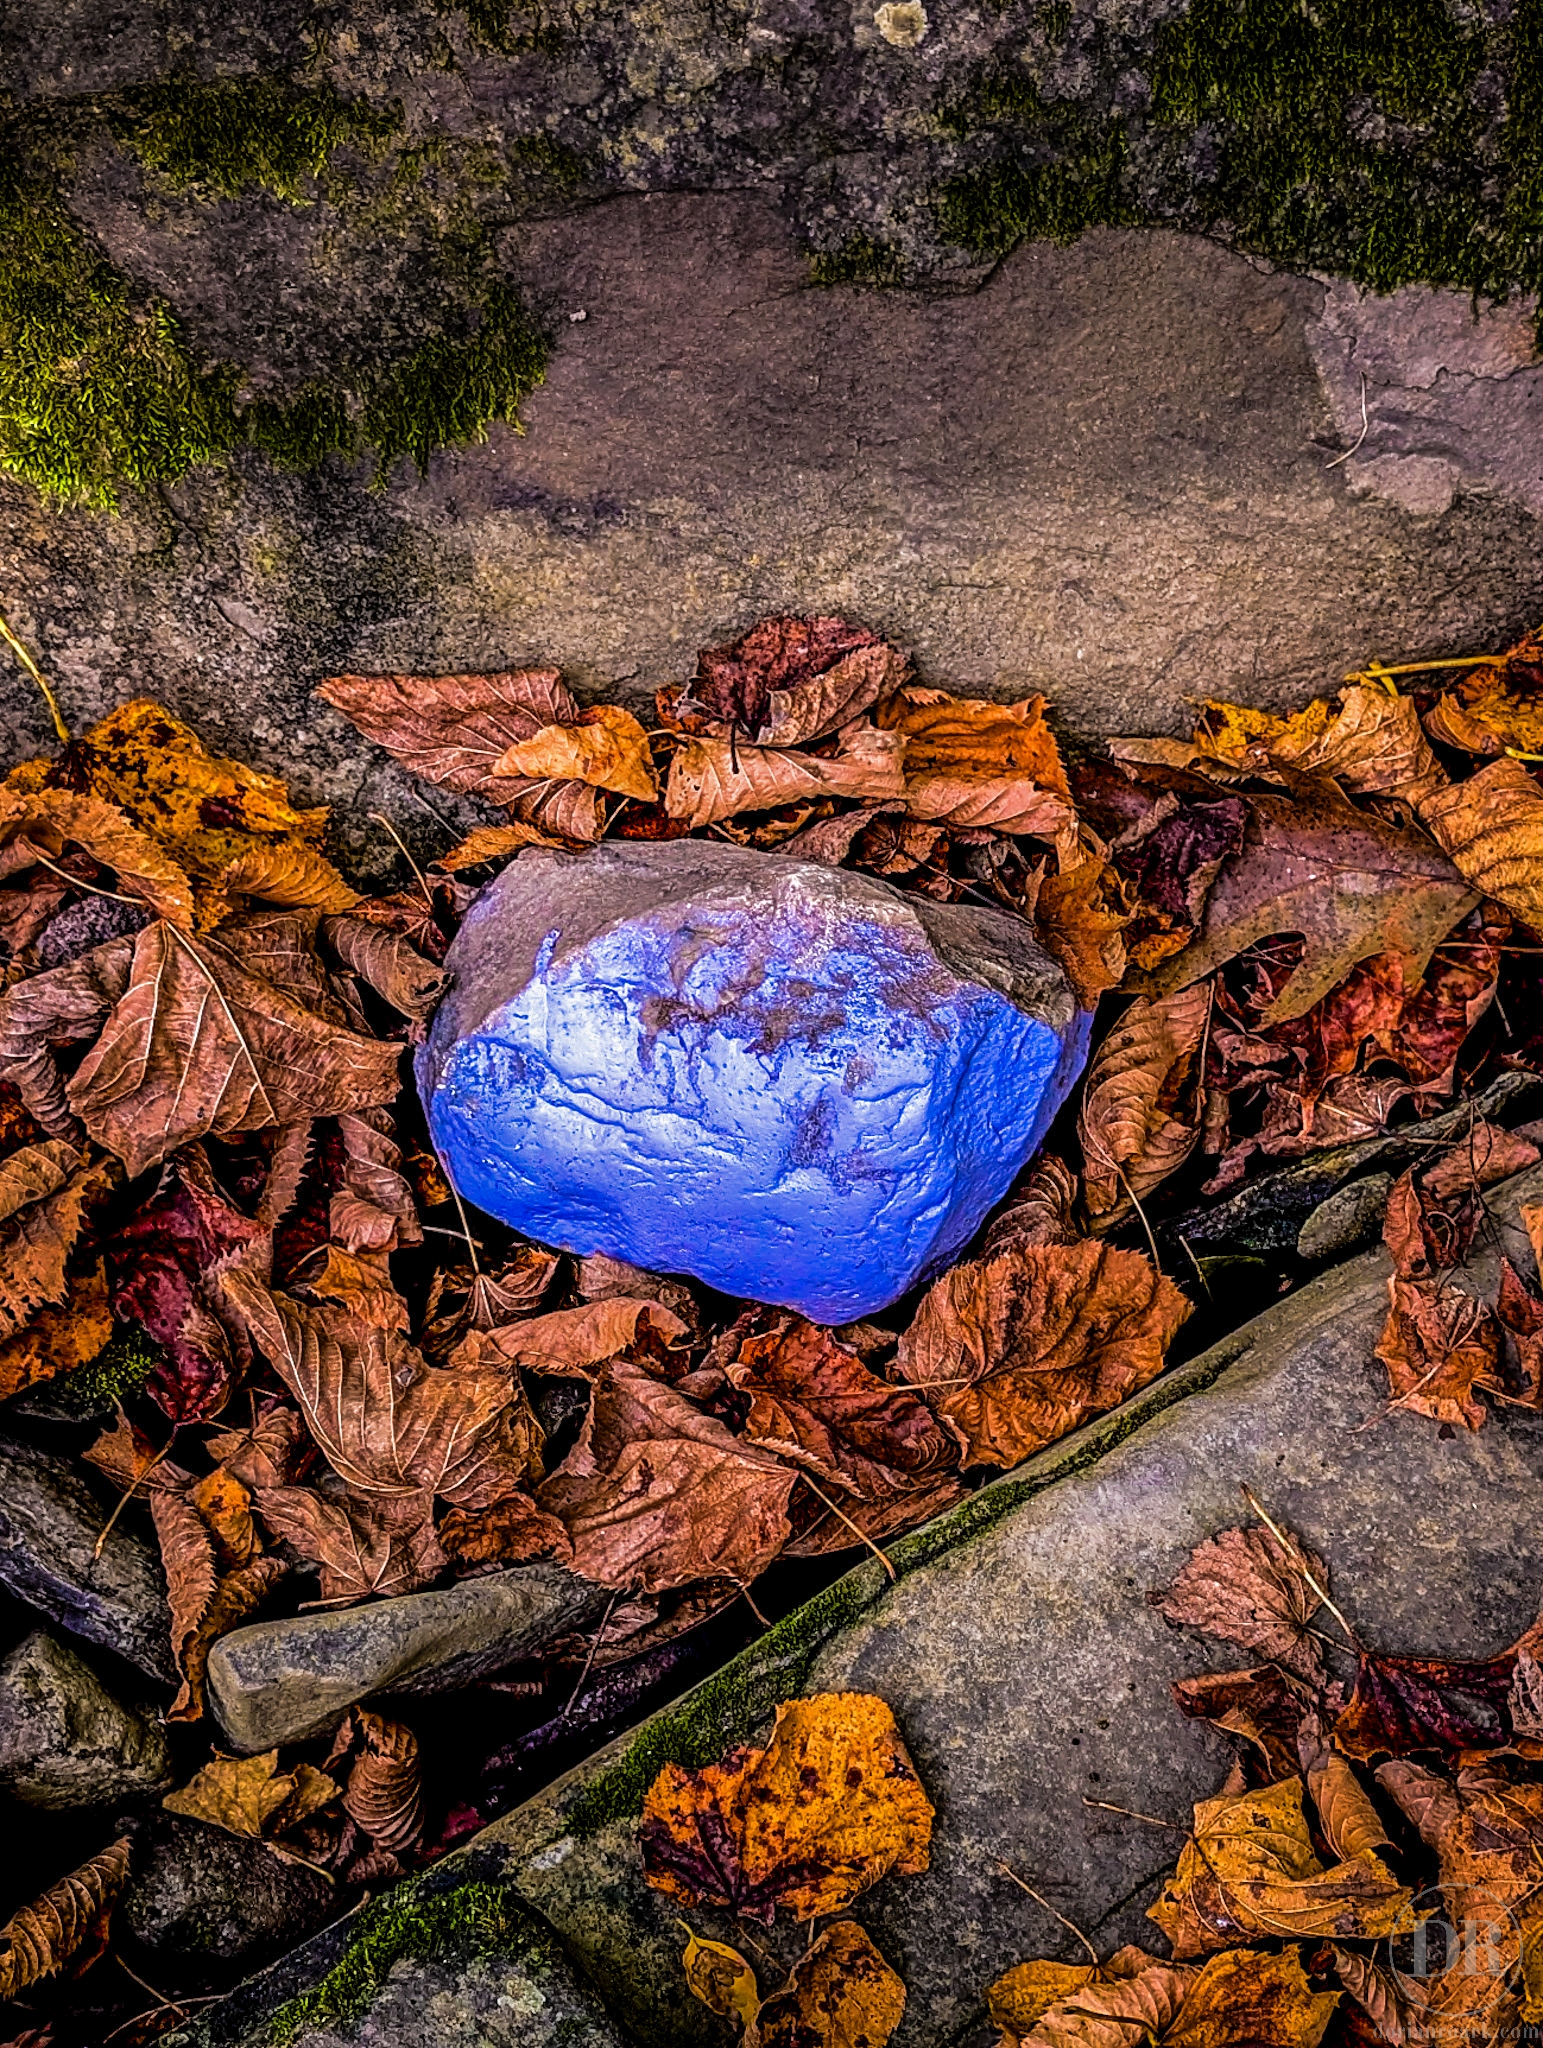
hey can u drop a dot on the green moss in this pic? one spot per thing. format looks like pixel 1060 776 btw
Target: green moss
pixel 860 260
pixel 414 1920
pixel 96 390
pixel 1056 21
pixel 1074 178
pixel 245 133
pixel 123 1364
pixel 554 159
pixel 500 25
pixel 314 424
pixel 448 391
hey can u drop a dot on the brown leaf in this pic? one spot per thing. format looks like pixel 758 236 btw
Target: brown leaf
pixel 196 1044
pixel 269 1452
pixel 384 1793
pixel 1485 1154
pixel 187 1559
pixel 289 874
pixel 1131 1999
pixel 62 1007
pixel 655 1493
pixel 360 1282
pixel 1350 884
pixel 1249 1871
pixel 1020 1998
pixel 1492 828
pixel 364 1543
pixel 1497 704
pixel 1080 919
pixel 226 1507
pixel 1040 1212
pixel 1524 1702
pixel 462 1301
pixel 605 747
pixel 1349 1820
pixel 235 1597
pixel 1436 1344
pixel 392 967
pixel 1248 1588
pixel 44 1191
pixel 1378 1996
pixel 1372 745
pixel 490 843
pixel 813 1400
pixel 455 729
pixel 62 1925
pixel 788 680
pixel 969 762
pixel 251 1796
pixel 53 820
pixel 1131 1125
pixel 1259 1705
pixel 373 1210
pixel 1242 1999
pixel 510 1530
pixel 1043 1337
pixel 573 1340
pixel 386 1421
pixel 712 779
pixel 830 1806
pixel 841 1994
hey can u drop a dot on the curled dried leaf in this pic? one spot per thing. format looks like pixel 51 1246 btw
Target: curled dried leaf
pixel 1140 1116
pixel 712 779
pixel 605 747
pixel 1491 827
pixel 384 1792
pixel 65 1924
pixel 841 1994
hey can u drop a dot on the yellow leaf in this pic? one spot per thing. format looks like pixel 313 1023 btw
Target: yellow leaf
pixel 842 1994
pixel 54 819
pixel 289 873
pixel 1020 1998
pixel 58 1339
pixel 607 748
pixel 1491 829
pixel 245 1794
pixel 721 1978
pixel 1373 742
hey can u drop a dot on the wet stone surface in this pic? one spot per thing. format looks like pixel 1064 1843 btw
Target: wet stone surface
pixel 65 1741
pixel 791 1081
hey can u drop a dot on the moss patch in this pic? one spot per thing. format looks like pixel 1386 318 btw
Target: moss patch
pixel 244 134
pixel 412 1921
pixel 859 260
pixel 125 1362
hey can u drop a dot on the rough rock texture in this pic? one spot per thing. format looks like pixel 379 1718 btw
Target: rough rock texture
pixel 49 1522
pixel 213 1900
pixel 1029 1673
pixel 64 1740
pixel 791 1081
pixel 1103 476
pixel 284 1681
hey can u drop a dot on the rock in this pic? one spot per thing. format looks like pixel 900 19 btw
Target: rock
pixel 203 1900
pixel 1349 1218
pixel 789 1080
pixel 64 1740
pixel 49 1523
pixel 1029 1673
pixel 287 1680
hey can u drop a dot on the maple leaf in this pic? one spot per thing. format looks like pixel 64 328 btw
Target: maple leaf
pixel 392 967
pixel 712 779
pixel 809 1823
pixel 1249 1870
pixel 364 1543
pixel 841 1994
pixel 655 1493
pixel 1142 1073
pixel 44 1192
pixel 1042 1338
pixel 384 1792
pixel 796 1369
pixel 67 1924
pixel 789 679
pixel 1491 826
pixel 51 821
pixel 605 747
pixel 1252 1589
pixel 1080 919
pixel 386 1421
pixel 251 1796
pixel 1438 1343
pixel 1350 884
pixel 270 1451
pixel 969 762
pixel 1373 744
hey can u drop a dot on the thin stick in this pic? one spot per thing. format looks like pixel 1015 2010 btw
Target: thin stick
pixel 605 1622
pixel 162 2001
pixel 1130 1813
pixel 460 1210
pixel 124 1499
pixel 460 1236
pixel 1322 1591
pixel 858 1533
pixel 744 1594
pixel 60 728
pixel 1376 670
pixel 1365 430
pixel 1146 1226
pixel 1039 1900
pixel 1189 1254
pixel 380 819
pixel 90 887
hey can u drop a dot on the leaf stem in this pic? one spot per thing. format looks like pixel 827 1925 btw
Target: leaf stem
pixel 60 728
pixel 858 1533
pixel 1070 1925
pixel 1322 1591
pixel 380 819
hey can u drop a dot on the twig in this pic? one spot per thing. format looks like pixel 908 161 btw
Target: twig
pixel 75 882
pixel 1146 1226
pixel 1151 1819
pixel 1189 1254
pixel 460 1236
pixel 460 1210
pixel 605 1622
pixel 1365 430
pixel 1375 671
pixel 61 730
pixel 1039 1900
pixel 380 819
pixel 107 1527
pixel 744 1594
pixel 858 1533
pixel 1322 1591
pixel 162 2001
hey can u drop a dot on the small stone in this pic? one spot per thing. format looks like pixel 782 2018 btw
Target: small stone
pixel 1347 1219
pixel 49 1524
pixel 203 1900
pixel 64 1740
pixel 788 1080
pixel 289 1680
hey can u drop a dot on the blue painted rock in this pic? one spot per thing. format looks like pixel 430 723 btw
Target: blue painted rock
pixel 791 1081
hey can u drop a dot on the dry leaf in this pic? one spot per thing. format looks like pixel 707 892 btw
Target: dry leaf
pixel 226 1507
pixel 1497 704
pixel 831 1805
pixel 44 1190
pixel 814 1401
pixel 1492 827
pixel 1241 1999
pixel 1407 1703
pixel 53 820
pixel 721 1978
pixel 251 1796
pixel 787 681
pixel 392 967
pixel 1040 1212
pixel 712 779
pixel 373 1209
pixel 1249 1871
pixel 1142 1075
pixel 573 1340
pixel 841 1994
pixel 364 1543
pixel 64 1924
pixel 1248 1588
pixel 1350 884
pixel 655 1494
pixel 455 729
pixel 1347 1816
pixel 386 1421
pixel 187 1558
pixel 1020 1998
pixel 1486 1153
pixel 289 874
pixel 605 747
pixel 1372 745
pixel 360 1282
pixel 510 1530
pixel 235 1597
pixel 490 843
pixel 1080 919
pixel 270 1451
pixel 59 1339
pixel 1043 1337
pixel 971 763
pixel 1131 1999
pixel 462 1300
pixel 384 1792
pixel 1261 1705
pixel 1437 1343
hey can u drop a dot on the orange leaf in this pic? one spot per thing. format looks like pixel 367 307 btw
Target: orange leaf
pixel 604 746
pixel 64 1924
pixel 1143 1074
pixel 841 1994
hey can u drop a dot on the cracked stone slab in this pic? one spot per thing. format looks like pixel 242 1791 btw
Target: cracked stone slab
pixel 1030 1674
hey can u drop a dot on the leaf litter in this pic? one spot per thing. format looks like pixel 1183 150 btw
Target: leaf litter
pixel 1297 931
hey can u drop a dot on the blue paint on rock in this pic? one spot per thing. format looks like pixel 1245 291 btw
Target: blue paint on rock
pixel 742 1067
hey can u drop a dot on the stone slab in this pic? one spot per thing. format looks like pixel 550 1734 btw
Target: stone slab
pixel 1105 475
pixel 1029 1672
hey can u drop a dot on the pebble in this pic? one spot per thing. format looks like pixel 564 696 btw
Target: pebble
pixel 65 1741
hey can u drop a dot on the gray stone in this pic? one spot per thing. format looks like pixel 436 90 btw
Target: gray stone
pixel 789 1080
pixel 49 1524
pixel 64 1740
pixel 1350 1218
pixel 203 1900
pixel 287 1680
